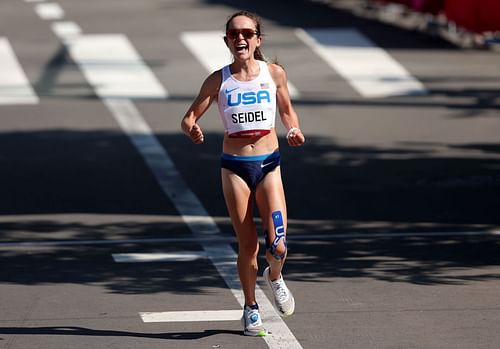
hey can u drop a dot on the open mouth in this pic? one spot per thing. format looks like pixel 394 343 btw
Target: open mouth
pixel 241 47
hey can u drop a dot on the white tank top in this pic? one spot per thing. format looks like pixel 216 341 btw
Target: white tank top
pixel 247 108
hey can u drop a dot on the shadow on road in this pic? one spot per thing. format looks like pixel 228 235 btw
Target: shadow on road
pixel 88 332
pixel 331 189
pixel 52 172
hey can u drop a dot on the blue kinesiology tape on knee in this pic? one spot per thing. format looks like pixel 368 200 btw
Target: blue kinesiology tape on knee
pixel 279 234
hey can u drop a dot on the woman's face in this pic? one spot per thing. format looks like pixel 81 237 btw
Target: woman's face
pixel 242 38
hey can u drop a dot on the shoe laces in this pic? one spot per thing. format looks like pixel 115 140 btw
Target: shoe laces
pixel 280 290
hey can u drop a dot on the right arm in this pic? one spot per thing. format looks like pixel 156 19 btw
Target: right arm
pixel 289 117
pixel 208 93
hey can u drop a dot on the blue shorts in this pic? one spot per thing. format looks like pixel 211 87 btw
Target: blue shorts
pixel 252 169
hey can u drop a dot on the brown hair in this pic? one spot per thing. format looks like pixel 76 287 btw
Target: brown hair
pixel 258 25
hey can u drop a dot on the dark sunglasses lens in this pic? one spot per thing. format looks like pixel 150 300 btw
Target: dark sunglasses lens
pixel 248 33
pixel 235 33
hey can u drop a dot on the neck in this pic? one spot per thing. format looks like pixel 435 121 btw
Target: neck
pixel 247 69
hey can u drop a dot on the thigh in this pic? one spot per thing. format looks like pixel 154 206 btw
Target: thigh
pixel 270 197
pixel 239 202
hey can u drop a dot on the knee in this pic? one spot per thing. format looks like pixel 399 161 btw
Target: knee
pixel 280 250
pixel 248 249
pixel 276 243
pixel 277 247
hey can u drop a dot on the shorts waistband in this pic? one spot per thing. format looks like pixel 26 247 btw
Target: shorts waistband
pixel 262 157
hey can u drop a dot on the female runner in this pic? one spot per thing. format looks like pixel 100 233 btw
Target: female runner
pixel 247 92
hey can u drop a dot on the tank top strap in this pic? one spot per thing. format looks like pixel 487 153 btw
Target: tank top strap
pixel 264 69
pixel 226 73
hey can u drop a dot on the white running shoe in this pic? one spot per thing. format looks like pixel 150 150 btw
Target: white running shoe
pixel 283 298
pixel 252 323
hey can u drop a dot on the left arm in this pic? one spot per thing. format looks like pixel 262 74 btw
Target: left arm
pixel 288 115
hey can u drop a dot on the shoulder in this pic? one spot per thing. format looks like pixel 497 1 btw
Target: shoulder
pixel 276 69
pixel 212 83
pixel 277 72
pixel 215 77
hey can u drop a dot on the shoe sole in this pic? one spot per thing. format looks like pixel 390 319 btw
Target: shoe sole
pixel 268 282
pixel 261 333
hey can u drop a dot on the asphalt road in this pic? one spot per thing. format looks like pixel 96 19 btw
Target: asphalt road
pixel 393 200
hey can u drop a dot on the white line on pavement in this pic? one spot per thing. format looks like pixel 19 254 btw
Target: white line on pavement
pixel 211 51
pixel 158 257
pixel 14 85
pixel 49 11
pixel 208 47
pixel 192 316
pixel 369 69
pixel 66 30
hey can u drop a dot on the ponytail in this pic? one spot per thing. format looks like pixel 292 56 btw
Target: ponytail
pixel 258 55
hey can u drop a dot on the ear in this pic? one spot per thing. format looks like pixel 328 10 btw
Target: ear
pixel 259 40
pixel 225 41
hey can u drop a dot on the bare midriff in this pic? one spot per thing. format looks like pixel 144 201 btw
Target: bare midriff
pixel 251 146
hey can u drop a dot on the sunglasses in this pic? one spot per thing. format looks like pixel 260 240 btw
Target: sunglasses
pixel 235 33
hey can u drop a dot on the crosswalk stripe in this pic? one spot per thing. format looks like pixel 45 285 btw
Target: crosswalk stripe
pixel 192 316
pixel 49 11
pixel 66 30
pixel 208 47
pixel 14 85
pixel 113 67
pixel 370 70
pixel 210 50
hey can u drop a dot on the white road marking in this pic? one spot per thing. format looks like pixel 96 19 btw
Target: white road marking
pixel 49 11
pixel 208 47
pixel 192 316
pixel 369 69
pixel 66 30
pixel 15 87
pixel 158 257
pixel 113 67
pixel 211 51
